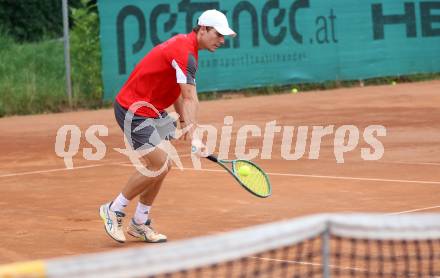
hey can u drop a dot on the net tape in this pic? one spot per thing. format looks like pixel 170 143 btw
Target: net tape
pixel 215 249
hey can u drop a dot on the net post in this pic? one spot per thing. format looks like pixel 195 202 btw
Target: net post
pixel 325 249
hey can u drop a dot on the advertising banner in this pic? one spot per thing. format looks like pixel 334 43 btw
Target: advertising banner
pixel 278 42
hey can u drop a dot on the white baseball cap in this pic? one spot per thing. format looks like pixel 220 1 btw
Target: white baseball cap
pixel 216 19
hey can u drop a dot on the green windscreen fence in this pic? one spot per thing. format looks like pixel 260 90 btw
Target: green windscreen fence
pixel 279 41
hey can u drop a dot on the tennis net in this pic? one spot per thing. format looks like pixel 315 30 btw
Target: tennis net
pixel 325 245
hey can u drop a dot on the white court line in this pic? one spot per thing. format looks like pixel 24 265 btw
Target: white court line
pixel 321 176
pixel 330 265
pixel 214 170
pixel 66 169
pixel 380 161
pixel 54 170
pixel 387 162
pixel 310 263
pixel 354 178
pixel 412 163
pixel 413 210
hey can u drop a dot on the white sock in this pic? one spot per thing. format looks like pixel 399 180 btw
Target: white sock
pixel 120 203
pixel 141 215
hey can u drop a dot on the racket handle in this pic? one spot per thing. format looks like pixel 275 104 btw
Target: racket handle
pixel 212 157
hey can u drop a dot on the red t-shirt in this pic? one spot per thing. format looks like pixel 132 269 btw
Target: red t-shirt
pixel 156 78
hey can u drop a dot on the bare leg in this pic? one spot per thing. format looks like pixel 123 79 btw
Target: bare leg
pixel 139 226
pixel 138 183
pixel 149 194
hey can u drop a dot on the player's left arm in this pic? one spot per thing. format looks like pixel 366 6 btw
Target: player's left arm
pixel 187 104
pixel 178 107
pixel 189 107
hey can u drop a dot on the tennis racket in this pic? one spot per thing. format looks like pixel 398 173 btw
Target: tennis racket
pixel 247 174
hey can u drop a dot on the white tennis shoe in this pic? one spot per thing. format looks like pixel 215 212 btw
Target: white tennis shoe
pixel 112 222
pixel 145 232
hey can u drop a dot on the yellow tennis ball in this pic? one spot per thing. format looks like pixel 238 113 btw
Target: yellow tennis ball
pixel 294 90
pixel 244 171
pixel 393 83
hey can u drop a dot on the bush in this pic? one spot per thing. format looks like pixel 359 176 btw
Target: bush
pixel 31 20
pixel 86 55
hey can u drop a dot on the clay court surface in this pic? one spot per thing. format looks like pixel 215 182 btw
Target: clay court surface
pixel 48 211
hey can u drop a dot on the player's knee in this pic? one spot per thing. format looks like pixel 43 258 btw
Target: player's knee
pixel 166 168
pixel 162 165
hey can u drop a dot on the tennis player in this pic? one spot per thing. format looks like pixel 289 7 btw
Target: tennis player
pixel 165 76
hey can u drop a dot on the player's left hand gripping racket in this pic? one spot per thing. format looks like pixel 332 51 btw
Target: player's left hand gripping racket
pixel 252 178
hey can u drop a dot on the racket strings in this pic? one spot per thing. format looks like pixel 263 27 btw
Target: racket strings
pixel 255 180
